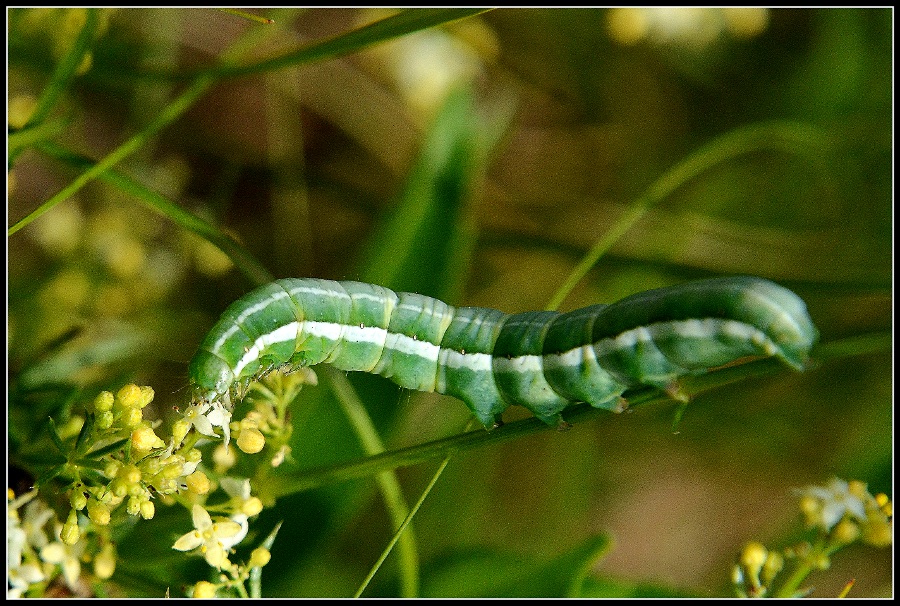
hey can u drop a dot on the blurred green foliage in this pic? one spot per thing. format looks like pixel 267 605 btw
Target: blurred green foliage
pixel 477 162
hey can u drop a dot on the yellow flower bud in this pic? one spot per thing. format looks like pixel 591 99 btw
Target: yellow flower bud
pixel 260 557
pixel 150 466
pixel 104 402
pixel 19 110
pixel 130 396
pixel 198 483
pixel 822 562
pixel 119 487
pixel 204 589
pixel 146 395
pixel 70 532
pixel 173 470
pixel 130 474
pixel 878 532
pixel 77 500
pixel 148 510
pixel 133 507
pixel 131 417
pixel 98 512
pixel 105 562
pixel 112 469
pixel 251 507
pixel 180 429
pixel 251 440
pixel 143 439
pixel 224 458
pixel 753 557
pixel 845 532
pixel 105 419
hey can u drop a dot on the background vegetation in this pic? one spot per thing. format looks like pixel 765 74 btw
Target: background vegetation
pixel 478 162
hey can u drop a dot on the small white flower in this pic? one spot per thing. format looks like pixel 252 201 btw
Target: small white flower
pixel 20 578
pixel 205 416
pixel 22 537
pixel 213 538
pixel 239 490
pixel 15 539
pixel 37 514
pixel 834 501
pixel 67 557
pixel 241 520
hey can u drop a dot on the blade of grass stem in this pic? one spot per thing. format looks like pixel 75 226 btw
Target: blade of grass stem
pixel 243 260
pixel 793 137
pixel 256 572
pixel 404 23
pixel 402 528
pixel 65 69
pixel 169 114
pixel 388 483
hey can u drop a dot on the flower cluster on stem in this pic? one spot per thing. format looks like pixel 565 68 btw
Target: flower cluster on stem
pixel 114 466
pixel 837 514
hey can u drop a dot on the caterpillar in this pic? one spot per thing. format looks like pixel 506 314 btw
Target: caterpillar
pixel 541 360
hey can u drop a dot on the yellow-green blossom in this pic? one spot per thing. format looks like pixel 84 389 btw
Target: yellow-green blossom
pixel 205 416
pixel 824 506
pixel 214 539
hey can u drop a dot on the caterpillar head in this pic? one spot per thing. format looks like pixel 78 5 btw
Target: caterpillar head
pixel 211 376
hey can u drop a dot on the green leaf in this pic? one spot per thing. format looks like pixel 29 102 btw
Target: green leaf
pixel 424 242
pixel 487 573
pixel 608 588
pixel 49 475
pixel 100 452
pixel 54 435
pixel 87 428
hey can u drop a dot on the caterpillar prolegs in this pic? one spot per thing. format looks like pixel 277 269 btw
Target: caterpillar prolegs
pixel 542 360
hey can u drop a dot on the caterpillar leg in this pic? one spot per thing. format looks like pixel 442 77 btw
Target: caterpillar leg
pixel 490 420
pixel 674 391
pixel 563 425
pixel 621 405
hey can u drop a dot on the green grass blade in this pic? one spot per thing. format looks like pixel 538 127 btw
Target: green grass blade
pixel 65 70
pixel 166 117
pixel 793 137
pixel 407 22
pixel 402 528
pixel 387 483
pixel 243 260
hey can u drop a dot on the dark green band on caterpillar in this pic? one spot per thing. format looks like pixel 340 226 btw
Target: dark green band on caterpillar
pixel 544 361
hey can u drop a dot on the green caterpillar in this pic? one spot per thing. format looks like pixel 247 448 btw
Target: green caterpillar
pixel 542 360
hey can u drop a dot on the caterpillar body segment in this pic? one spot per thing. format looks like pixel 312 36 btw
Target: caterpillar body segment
pixel 543 361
